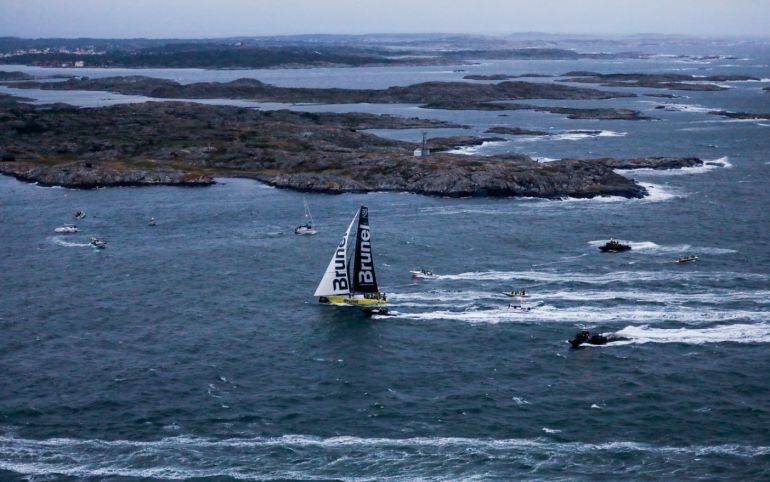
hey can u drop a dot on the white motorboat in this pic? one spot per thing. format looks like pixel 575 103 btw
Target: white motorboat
pixel 423 274
pixel 66 229
pixel 98 243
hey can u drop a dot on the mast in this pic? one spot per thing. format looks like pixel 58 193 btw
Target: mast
pixel 335 280
pixel 364 279
pixel 307 213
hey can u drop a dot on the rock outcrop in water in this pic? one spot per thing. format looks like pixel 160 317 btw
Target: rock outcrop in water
pixel 598 113
pixel 188 144
pixel 515 131
pixel 254 90
pixel 657 163
pixel 655 81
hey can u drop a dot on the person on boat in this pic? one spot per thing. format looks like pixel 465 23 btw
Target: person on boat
pixel 586 337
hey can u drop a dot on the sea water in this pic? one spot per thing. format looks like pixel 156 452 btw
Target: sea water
pixel 195 349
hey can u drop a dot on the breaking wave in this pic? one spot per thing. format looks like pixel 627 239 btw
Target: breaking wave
pixel 708 165
pixel 308 457
pixel 572 136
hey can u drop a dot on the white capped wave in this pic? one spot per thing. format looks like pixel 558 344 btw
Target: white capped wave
pixel 572 136
pixel 650 247
pixel 658 193
pixel 737 333
pixel 591 314
pixel 433 458
pixel 543 159
pixel 688 108
pixel 707 166
pixel 655 193
pixel 471 150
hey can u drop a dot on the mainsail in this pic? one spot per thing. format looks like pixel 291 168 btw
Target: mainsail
pixel 364 280
pixel 335 280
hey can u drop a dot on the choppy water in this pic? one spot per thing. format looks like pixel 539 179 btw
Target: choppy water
pixel 195 349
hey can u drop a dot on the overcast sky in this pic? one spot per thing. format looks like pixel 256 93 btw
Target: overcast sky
pixel 218 18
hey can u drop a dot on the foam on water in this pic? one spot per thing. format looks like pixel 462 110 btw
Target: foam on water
pixel 427 458
pixel 711 297
pixel 590 314
pixel 59 240
pixel 736 333
pixel 474 150
pixel 708 166
pixel 573 136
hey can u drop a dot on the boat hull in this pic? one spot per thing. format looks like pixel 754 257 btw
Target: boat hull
pixel 618 249
pixel 421 275
pixel 353 301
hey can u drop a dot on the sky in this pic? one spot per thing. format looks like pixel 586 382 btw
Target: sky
pixel 223 18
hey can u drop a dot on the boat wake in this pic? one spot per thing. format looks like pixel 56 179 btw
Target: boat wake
pixel 458 298
pixel 649 247
pixel 615 277
pixel 590 314
pixel 737 333
pixel 308 457
pixel 61 242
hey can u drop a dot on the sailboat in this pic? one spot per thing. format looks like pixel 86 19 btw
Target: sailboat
pixel 306 228
pixel 356 285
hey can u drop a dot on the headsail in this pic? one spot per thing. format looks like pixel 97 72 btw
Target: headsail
pixel 335 280
pixel 364 280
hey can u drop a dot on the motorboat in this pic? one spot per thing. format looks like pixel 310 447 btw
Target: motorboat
pixel 686 259
pixel 614 246
pixel 423 274
pixel 66 229
pixel 305 229
pixel 98 243
pixel 516 294
pixel 80 215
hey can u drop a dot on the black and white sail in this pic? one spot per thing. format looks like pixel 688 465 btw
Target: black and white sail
pixel 364 279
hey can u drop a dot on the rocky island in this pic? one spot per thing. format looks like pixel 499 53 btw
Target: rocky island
pixel 190 144
pixel 255 90
pixel 656 81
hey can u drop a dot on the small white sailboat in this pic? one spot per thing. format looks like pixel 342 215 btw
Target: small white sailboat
pixel 308 227
pixel 357 286
pixel 66 229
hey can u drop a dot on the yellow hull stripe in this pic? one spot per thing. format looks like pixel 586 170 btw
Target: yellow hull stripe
pixel 354 301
